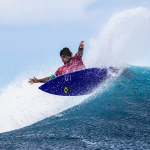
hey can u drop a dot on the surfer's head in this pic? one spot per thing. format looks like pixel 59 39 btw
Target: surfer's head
pixel 65 55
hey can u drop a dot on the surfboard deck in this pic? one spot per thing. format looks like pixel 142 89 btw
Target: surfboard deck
pixel 76 83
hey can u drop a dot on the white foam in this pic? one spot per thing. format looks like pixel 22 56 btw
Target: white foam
pixel 22 104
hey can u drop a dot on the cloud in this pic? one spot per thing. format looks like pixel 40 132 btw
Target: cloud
pixel 18 12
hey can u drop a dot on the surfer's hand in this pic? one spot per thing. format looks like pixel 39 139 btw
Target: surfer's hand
pixel 81 44
pixel 34 80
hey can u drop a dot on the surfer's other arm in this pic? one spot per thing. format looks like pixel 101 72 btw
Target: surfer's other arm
pixel 35 80
pixel 81 48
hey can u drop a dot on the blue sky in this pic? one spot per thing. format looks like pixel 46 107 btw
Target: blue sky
pixel 32 32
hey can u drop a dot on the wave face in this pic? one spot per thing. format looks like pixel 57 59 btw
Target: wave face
pixel 117 118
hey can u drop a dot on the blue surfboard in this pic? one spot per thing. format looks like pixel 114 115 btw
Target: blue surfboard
pixel 76 83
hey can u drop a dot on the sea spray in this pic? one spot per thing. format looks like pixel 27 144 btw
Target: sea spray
pixel 123 40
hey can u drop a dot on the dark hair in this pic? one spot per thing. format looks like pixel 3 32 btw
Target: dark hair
pixel 66 52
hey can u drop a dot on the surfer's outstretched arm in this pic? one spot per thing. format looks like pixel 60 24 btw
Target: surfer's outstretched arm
pixel 35 80
pixel 81 47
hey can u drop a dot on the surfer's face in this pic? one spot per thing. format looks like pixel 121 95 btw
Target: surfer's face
pixel 65 59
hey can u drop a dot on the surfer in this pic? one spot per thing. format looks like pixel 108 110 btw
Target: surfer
pixel 70 64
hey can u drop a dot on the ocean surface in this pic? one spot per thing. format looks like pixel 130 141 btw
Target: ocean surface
pixel 115 117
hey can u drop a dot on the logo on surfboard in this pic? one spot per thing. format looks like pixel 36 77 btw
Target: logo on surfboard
pixel 66 90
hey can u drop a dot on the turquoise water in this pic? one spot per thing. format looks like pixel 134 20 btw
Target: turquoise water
pixel 117 118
